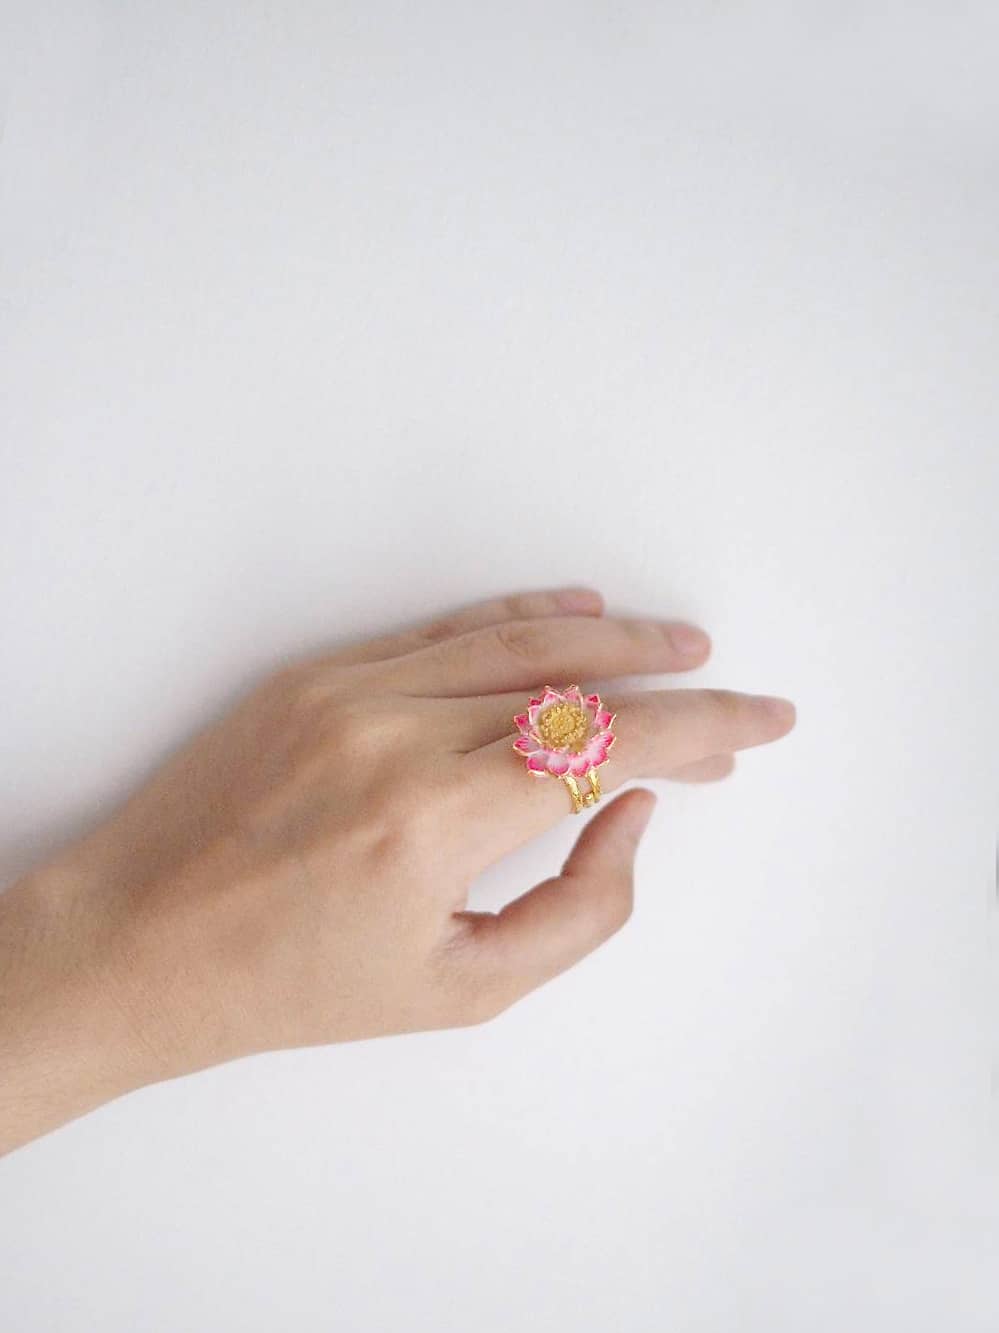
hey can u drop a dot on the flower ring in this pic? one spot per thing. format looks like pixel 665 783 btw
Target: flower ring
pixel 566 734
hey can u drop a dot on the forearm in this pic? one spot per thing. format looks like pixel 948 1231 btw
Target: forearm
pixel 65 1043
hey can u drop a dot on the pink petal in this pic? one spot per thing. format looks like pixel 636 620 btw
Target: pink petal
pixel 526 744
pixel 596 748
pixel 537 763
pixel 551 697
pixel 521 722
pixel 579 766
pixel 534 712
pixel 572 695
pixel 608 740
pixel 558 763
pixel 593 699
pixel 603 719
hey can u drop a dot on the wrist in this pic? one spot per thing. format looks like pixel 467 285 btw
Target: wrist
pixel 68 1042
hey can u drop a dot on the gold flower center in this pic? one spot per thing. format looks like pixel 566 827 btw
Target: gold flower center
pixel 564 727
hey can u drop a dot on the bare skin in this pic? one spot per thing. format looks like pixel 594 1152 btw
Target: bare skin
pixel 297 875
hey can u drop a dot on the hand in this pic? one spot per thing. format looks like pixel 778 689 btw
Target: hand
pixel 298 874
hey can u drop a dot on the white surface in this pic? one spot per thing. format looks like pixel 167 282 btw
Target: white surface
pixel 299 301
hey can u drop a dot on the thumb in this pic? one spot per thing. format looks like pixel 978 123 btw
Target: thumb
pixel 564 918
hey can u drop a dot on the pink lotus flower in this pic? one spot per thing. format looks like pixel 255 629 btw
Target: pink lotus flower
pixel 564 731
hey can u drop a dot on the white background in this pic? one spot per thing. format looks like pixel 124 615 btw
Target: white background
pixel 319 319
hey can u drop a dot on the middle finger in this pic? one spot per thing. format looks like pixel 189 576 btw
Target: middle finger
pixel 520 654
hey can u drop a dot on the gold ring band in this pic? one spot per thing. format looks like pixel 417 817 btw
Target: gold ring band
pixel 579 799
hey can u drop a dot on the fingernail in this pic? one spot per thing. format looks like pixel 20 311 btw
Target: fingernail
pixel 579 599
pixel 689 641
pixel 783 710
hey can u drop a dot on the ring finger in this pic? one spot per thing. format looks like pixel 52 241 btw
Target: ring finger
pixel 470 724
pixel 657 733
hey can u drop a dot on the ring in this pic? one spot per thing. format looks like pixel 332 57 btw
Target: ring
pixel 566 734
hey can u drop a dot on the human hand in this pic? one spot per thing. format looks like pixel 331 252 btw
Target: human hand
pixel 298 873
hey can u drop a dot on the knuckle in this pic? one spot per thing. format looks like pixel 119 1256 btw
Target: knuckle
pixel 347 727
pixel 362 727
pixel 645 639
pixel 525 605
pixel 643 632
pixel 525 639
pixel 306 694
pixel 446 627
pixel 727 707
pixel 513 607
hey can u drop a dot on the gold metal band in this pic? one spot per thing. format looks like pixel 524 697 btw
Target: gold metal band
pixel 579 799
